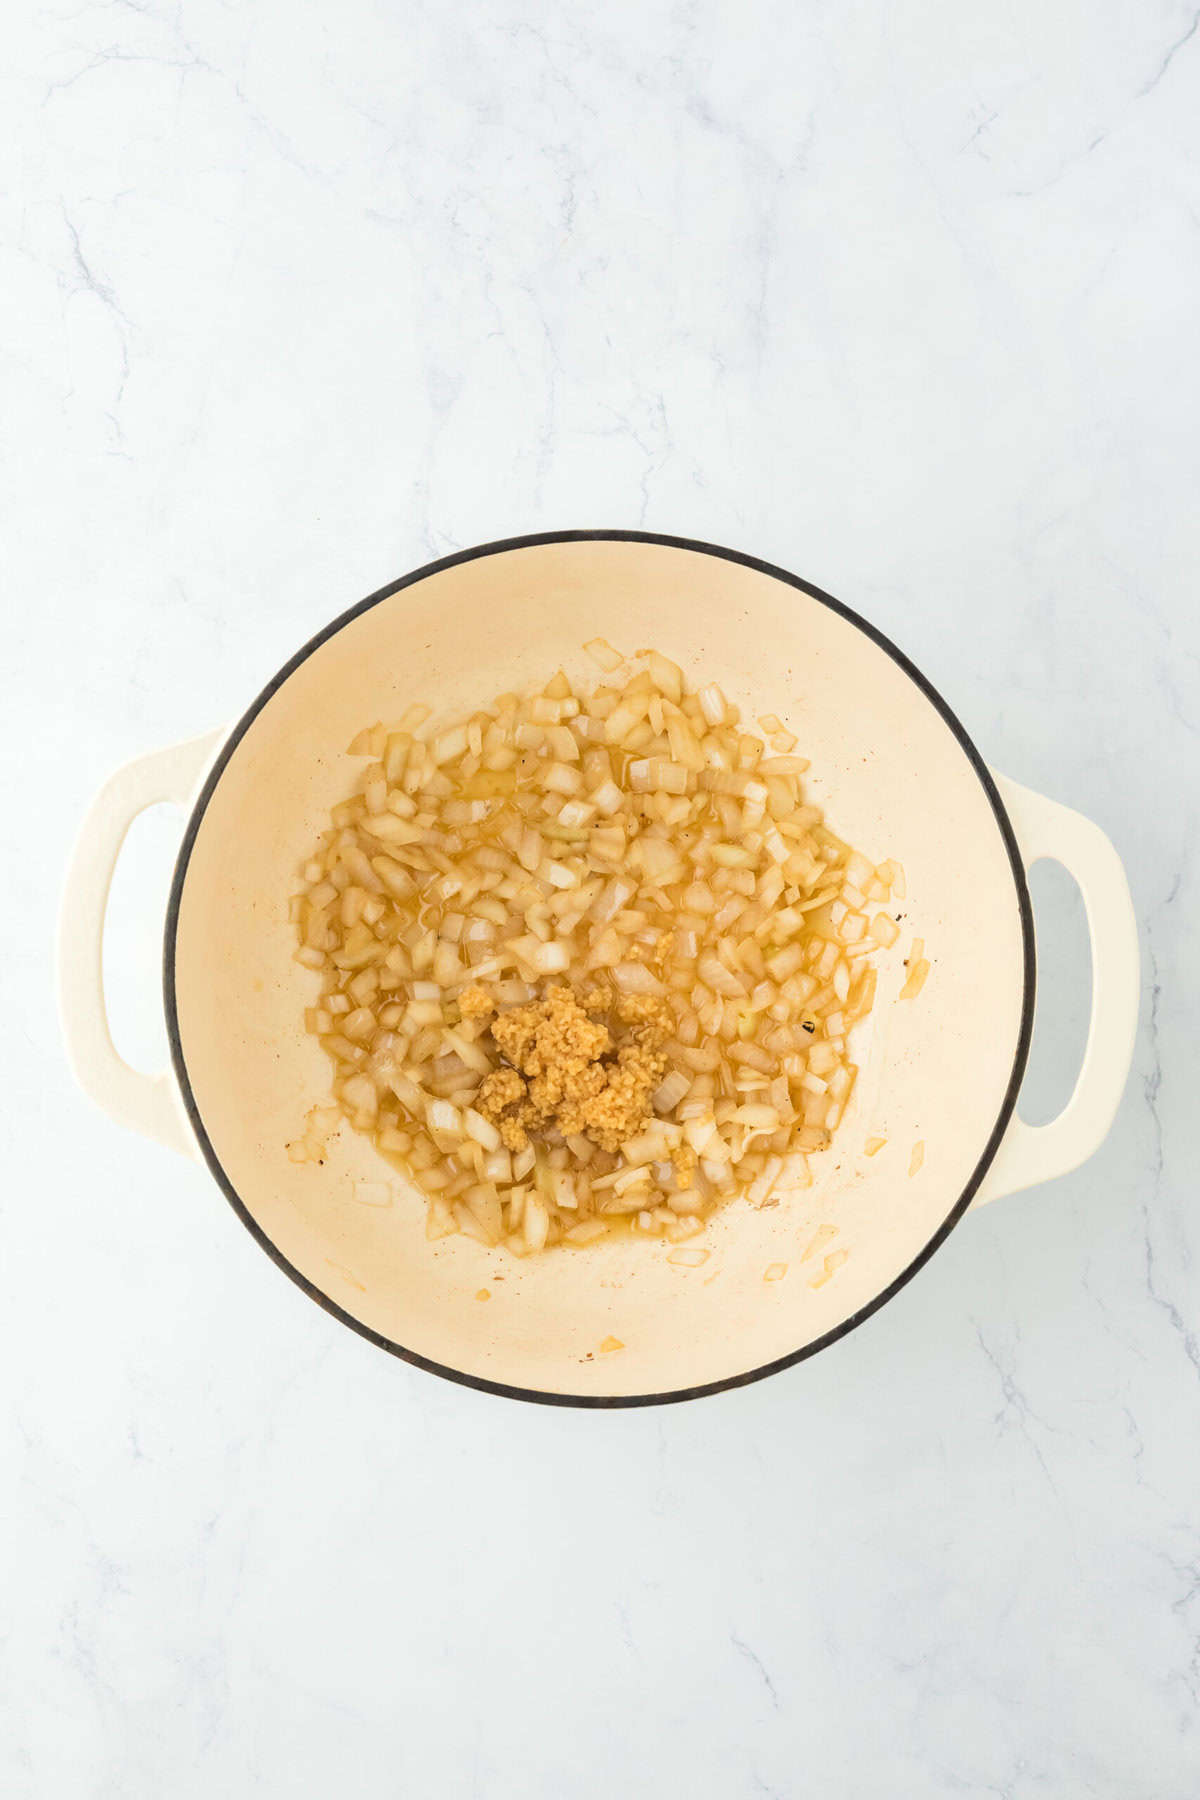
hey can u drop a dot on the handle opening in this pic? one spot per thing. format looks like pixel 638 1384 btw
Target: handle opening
pixel 1064 993
pixel 131 958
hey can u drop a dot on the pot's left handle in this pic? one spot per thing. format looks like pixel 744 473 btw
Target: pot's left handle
pixel 145 1103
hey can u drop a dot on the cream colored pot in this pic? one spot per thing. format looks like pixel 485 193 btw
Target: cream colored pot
pixel 899 778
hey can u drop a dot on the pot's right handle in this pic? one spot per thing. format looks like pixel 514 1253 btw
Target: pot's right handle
pixel 1032 1153
pixel 145 1103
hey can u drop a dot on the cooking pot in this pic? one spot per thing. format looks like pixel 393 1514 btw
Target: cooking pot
pixel 618 1323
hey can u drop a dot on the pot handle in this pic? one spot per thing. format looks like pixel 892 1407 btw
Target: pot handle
pixel 145 1103
pixel 1033 1153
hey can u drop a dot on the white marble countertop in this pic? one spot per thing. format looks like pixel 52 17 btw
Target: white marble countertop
pixel 901 297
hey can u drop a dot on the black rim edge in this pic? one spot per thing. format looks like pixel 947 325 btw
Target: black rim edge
pixel 1008 1104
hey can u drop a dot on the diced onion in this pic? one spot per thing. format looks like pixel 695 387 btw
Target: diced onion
pixel 885 931
pixel 372 1193
pixel 450 744
pixel 916 980
pixel 635 841
pixel 480 1129
pixel 444 1118
pixel 636 978
pixel 712 704
pixel 674 1086
pixel 586 1232
pixel 602 652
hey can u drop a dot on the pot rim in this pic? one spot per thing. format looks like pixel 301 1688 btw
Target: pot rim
pixel 1020 1057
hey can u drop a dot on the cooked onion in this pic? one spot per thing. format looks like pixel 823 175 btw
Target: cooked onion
pixel 633 840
